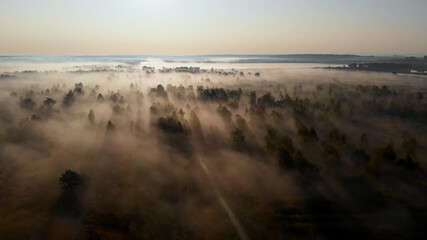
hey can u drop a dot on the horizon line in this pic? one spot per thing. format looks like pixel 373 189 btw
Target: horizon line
pixel 222 54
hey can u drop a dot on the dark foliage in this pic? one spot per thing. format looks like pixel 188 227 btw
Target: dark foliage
pixel 70 180
pixel 159 91
pixel 170 125
pixel 69 99
pixel 27 103
pixel 110 126
pixel 49 102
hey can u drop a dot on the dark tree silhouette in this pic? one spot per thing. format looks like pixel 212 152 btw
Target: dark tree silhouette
pixel 78 88
pixel 360 158
pixel 110 126
pixel 100 98
pixel 336 137
pixel 270 139
pixel 284 153
pixel 49 102
pixel 238 139
pixel 158 92
pixel 381 157
pixel 304 167
pixel 224 113
pixel 252 98
pixel 307 135
pixel 170 125
pixel 267 100
pixel 69 99
pixel 27 103
pixel 330 154
pixel 117 98
pixel 91 116
pixel 70 180
pixel 215 94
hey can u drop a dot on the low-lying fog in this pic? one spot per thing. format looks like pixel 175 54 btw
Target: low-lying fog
pixel 223 152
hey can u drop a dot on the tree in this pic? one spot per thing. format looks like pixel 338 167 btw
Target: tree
pixel 117 98
pixel 224 112
pixel 270 139
pixel 69 99
pixel 285 158
pixel 388 153
pixel 363 142
pixel 330 154
pixel 284 153
pixel 70 180
pixel 307 135
pixel 70 202
pixel 241 123
pixel 27 103
pixel 100 98
pixel 408 163
pixel 304 167
pixel 78 88
pixel 360 158
pixel 110 126
pixel 238 139
pixel 381 157
pixel 336 137
pixel 170 125
pixel 159 92
pixel 408 146
pixel 267 100
pixel 49 102
pixel 216 94
pixel 91 116
pixel 252 98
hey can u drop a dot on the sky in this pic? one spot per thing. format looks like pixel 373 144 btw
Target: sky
pixel 194 27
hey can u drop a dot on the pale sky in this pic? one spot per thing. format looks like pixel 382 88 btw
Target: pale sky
pixel 187 27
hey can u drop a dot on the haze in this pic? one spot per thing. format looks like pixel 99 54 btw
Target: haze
pixel 213 120
pixel 186 27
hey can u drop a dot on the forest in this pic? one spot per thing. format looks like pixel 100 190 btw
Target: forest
pixel 198 153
